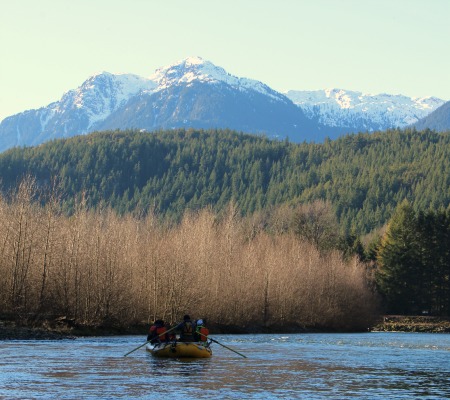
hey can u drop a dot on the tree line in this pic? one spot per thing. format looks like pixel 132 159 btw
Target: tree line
pixel 363 176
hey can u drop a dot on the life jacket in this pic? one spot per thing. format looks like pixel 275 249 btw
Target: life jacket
pixel 160 332
pixel 187 332
pixel 202 333
pixel 156 334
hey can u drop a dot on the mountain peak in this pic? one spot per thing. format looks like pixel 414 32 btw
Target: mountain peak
pixel 197 69
pixel 188 70
pixel 196 60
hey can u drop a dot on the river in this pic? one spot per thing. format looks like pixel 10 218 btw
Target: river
pixel 291 366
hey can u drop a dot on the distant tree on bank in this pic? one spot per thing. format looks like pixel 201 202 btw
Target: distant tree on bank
pixel 414 262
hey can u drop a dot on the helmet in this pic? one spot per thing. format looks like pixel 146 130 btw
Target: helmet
pixel 186 318
pixel 200 322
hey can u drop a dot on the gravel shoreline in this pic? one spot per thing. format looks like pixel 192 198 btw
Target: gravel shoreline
pixel 402 323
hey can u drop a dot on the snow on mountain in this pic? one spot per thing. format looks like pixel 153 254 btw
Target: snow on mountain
pixel 196 69
pixel 345 108
pixel 102 94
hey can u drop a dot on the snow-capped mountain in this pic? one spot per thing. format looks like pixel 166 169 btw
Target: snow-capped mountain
pixel 363 112
pixel 196 93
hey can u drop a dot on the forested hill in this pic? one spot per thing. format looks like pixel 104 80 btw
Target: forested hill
pixel 364 176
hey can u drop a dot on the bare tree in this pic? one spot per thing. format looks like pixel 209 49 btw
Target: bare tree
pixel 317 224
pixel 23 234
pixel 51 212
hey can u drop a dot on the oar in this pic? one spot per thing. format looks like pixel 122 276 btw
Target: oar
pixel 215 341
pixel 169 330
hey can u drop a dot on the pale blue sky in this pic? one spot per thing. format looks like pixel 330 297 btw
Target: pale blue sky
pixel 373 46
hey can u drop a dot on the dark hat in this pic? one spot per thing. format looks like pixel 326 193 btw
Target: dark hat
pixel 186 318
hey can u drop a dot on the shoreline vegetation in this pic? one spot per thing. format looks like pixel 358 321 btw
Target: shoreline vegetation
pixel 63 328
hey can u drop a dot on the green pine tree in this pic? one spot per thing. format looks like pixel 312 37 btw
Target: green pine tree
pixel 400 270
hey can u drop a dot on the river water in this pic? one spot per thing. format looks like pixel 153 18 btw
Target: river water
pixel 299 366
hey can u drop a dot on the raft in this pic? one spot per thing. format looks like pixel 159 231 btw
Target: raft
pixel 180 350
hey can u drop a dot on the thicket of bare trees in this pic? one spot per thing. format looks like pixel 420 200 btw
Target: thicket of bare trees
pixel 97 267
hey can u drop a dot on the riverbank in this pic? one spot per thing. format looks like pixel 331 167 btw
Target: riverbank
pixel 421 323
pixel 64 328
pixel 60 328
pixel 10 330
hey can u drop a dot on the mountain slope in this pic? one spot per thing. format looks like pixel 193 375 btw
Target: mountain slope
pixel 213 106
pixel 438 120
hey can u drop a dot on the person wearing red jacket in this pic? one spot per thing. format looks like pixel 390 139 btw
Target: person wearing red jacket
pixel 157 332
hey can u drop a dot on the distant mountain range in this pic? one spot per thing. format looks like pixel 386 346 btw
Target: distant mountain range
pixel 196 93
pixel 360 112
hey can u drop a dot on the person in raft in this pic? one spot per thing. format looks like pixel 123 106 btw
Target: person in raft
pixel 201 331
pixel 186 329
pixel 157 332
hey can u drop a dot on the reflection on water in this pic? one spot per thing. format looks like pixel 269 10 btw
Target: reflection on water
pixel 309 366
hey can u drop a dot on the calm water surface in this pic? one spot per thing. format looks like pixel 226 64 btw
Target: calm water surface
pixel 300 366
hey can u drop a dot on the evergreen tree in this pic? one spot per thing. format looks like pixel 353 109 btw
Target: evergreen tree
pixel 400 270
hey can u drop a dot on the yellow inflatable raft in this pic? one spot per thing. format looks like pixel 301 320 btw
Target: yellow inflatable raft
pixel 180 350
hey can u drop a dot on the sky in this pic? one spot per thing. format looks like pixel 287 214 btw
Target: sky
pixel 373 46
